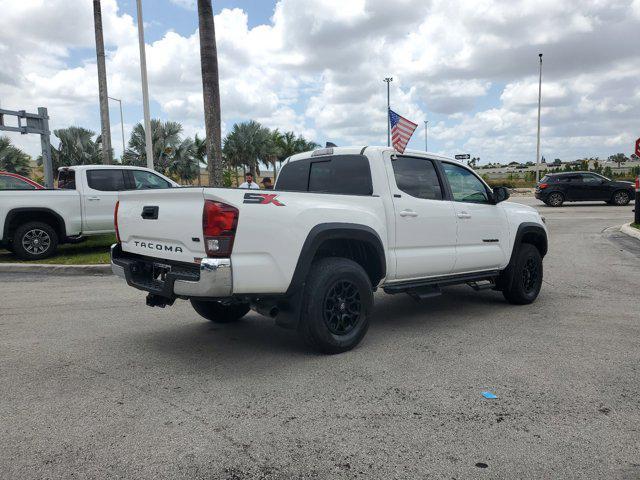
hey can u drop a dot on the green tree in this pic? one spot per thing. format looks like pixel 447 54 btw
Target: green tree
pixel 12 159
pixel 76 147
pixel 183 162
pixel 246 145
pixel 619 158
pixel 290 144
pixel 165 138
pixel 200 152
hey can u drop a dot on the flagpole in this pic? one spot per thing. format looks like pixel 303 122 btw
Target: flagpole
pixel 388 81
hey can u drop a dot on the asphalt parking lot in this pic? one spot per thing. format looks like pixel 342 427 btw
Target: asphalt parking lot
pixel 96 385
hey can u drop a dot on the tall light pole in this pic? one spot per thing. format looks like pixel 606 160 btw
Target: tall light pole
pixel 539 103
pixel 426 129
pixel 388 81
pixel 102 85
pixel 121 121
pixel 145 88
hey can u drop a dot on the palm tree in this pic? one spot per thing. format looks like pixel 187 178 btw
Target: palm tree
pixel 247 144
pixel 76 147
pixel 184 163
pixel 200 152
pixel 12 159
pixel 290 145
pixel 274 149
pixel 210 90
pixel 165 137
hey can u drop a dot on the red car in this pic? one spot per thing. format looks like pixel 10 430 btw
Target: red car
pixel 13 181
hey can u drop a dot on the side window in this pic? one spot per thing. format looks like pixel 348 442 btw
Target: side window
pixel 143 180
pixel 591 179
pixel 110 180
pixel 13 183
pixel 344 174
pixel 417 177
pixel 465 186
pixel 294 177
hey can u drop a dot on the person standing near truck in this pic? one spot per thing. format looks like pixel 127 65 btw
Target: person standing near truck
pixel 249 183
pixel 266 183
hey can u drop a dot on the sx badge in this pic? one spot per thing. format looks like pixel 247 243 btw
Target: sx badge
pixel 262 199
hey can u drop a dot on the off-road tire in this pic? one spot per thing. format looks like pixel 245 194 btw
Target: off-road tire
pixel 34 241
pixel 621 198
pixel 219 312
pixel 331 323
pixel 555 199
pixel 522 281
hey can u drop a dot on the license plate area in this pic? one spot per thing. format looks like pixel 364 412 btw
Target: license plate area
pixel 160 272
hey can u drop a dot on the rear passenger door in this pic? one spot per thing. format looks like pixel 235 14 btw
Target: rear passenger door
pixel 101 187
pixel 425 219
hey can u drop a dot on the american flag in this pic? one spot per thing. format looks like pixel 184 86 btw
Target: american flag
pixel 401 131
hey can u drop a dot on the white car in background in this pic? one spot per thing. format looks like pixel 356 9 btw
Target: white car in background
pixel 34 222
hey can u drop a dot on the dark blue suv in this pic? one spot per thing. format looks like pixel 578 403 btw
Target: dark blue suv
pixel 556 188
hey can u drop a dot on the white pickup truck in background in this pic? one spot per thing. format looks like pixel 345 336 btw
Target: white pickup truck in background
pixel 340 223
pixel 34 222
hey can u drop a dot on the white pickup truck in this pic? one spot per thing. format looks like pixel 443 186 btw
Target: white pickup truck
pixel 34 222
pixel 340 223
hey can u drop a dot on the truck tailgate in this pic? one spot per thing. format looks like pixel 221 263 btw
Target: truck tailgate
pixel 165 224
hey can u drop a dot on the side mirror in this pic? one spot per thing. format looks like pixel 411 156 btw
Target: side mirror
pixel 500 194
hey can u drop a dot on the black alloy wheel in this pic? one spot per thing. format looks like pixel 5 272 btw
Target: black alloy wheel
pixel 342 307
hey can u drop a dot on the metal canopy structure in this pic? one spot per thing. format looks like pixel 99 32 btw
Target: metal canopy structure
pixel 37 123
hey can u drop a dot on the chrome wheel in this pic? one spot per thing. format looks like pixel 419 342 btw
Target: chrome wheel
pixel 36 241
pixel 621 198
pixel 555 199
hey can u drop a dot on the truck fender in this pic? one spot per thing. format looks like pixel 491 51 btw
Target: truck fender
pixel 528 232
pixel 59 226
pixel 318 235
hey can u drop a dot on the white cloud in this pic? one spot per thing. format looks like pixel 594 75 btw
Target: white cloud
pixel 317 68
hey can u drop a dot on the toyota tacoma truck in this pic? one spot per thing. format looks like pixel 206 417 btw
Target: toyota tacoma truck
pixel 33 222
pixel 340 223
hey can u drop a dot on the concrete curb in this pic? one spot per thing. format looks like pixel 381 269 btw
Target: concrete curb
pixel 631 231
pixel 49 269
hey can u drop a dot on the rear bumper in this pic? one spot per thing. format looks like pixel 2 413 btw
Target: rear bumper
pixel 211 279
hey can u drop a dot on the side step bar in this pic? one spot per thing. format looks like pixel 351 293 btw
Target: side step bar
pixel 431 287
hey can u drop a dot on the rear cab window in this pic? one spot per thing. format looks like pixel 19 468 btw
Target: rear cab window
pixel 338 174
pixel 67 179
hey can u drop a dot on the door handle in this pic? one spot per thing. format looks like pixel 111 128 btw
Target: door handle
pixel 464 215
pixel 93 199
pixel 408 213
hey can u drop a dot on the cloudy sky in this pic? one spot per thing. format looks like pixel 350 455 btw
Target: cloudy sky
pixel 316 67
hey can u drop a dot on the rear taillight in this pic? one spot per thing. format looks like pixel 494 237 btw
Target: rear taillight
pixel 542 186
pixel 219 222
pixel 115 221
